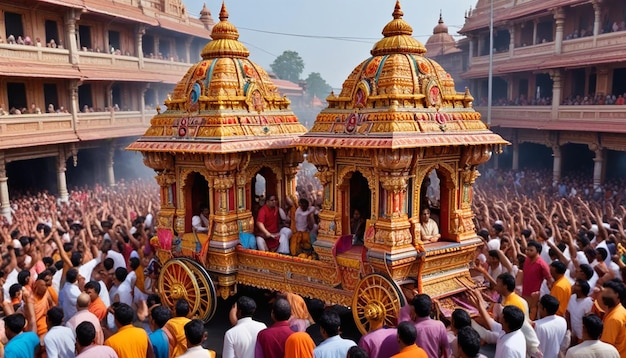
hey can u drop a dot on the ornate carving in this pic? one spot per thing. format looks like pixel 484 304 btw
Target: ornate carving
pixel 474 155
pixel 469 176
pixel 222 162
pixel 321 157
pixel 392 159
pixel 394 183
pixel 223 183
pixel 158 160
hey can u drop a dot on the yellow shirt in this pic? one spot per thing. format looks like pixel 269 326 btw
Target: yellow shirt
pixel 614 332
pixel 176 327
pixel 515 300
pixel 562 290
pixel 129 342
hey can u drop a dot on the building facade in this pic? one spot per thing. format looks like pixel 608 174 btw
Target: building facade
pixel 559 79
pixel 79 75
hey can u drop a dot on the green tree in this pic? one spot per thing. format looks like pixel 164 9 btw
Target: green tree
pixel 317 86
pixel 288 66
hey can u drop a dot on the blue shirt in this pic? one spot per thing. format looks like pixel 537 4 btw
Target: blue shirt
pixel 333 347
pixel 22 346
pixel 160 344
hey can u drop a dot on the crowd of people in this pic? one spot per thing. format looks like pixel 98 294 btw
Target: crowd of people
pixel 79 277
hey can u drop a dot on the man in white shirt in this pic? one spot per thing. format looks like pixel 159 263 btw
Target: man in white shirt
pixel 59 341
pixel 71 290
pixel 579 305
pixel 200 223
pixel 551 328
pixel 592 346
pixel 511 342
pixel 123 293
pixel 495 236
pixel 240 340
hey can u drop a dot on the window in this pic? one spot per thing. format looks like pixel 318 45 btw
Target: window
pixel 16 92
pixel 116 96
pixel 148 46
pixel 114 41
pixel 13 24
pixel 50 95
pixel 84 33
pixel 52 31
pixel 84 96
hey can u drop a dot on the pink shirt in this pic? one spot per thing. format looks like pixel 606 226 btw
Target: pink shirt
pixel 534 274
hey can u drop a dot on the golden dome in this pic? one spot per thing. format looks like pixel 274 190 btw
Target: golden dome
pixel 224 100
pixel 396 98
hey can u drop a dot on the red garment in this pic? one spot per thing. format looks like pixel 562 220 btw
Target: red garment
pixel 269 218
pixel 534 274
pixel 271 341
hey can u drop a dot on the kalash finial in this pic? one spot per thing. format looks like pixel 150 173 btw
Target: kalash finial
pixel 225 40
pixel 397 37
pixel 397 11
pixel 223 12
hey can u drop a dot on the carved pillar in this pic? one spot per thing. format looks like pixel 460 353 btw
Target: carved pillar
pixel 222 184
pixel 140 31
pixel 535 32
pixel 395 192
pixel 598 165
pixel 556 166
pixel 5 204
pixel 596 20
pixel 74 110
pixel 511 40
pixel 515 164
pixel 556 92
pixel 61 180
pixel 471 51
pixel 71 16
pixel 110 172
pixel 188 49
pixel 559 19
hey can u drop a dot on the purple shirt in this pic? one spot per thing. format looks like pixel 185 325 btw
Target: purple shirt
pixel 270 342
pixel 381 343
pixel 432 337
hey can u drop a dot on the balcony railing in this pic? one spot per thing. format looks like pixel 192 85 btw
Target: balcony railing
pixel 23 130
pixel 609 118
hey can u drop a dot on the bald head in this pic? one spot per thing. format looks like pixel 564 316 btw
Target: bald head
pixel 83 300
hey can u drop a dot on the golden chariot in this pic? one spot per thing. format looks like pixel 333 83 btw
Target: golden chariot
pixel 397 121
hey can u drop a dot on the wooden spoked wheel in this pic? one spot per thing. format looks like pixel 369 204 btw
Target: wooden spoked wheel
pixel 176 281
pixel 376 297
pixel 207 294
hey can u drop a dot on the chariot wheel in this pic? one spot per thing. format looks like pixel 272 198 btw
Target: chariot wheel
pixel 376 297
pixel 207 295
pixel 178 281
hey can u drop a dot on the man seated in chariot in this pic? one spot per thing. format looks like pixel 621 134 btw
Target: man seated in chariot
pixel 270 235
pixel 304 223
pixel 200 222
pixel 429 229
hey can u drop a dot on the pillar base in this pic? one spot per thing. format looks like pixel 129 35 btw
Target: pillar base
pixel 6 212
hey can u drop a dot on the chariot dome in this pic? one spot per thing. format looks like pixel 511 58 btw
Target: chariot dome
pixel 398 98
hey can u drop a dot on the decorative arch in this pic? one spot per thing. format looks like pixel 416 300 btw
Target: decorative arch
pixel 448 189
pixel 190 196
pixel 343 188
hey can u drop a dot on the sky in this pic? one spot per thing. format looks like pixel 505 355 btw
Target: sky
pixel 331 36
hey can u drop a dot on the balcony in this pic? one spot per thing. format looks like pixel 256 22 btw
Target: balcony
pixel 37 61
pixel 26 130
pixel 605 48
pixel 609 118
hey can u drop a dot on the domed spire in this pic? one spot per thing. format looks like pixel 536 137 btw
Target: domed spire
pixel 441 28
pixel 397 37
pixel 205 17
pixel 225 40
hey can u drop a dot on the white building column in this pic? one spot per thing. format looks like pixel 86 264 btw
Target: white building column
pixel 555 75
pixel 110 172
pixel 5 205
pixel 596 20
pixel 140 31
pixel 515 164
pixel 598 165
pixel 559 19
pixel 71 43
pixel 556 165
pixel 61 180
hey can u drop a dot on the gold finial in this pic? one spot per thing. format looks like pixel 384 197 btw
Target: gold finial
pixel 397 11
pixel 225 39
pixel 223 12
pixel 397 37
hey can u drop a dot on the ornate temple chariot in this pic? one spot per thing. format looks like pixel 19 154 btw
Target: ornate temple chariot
pixel 397 125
